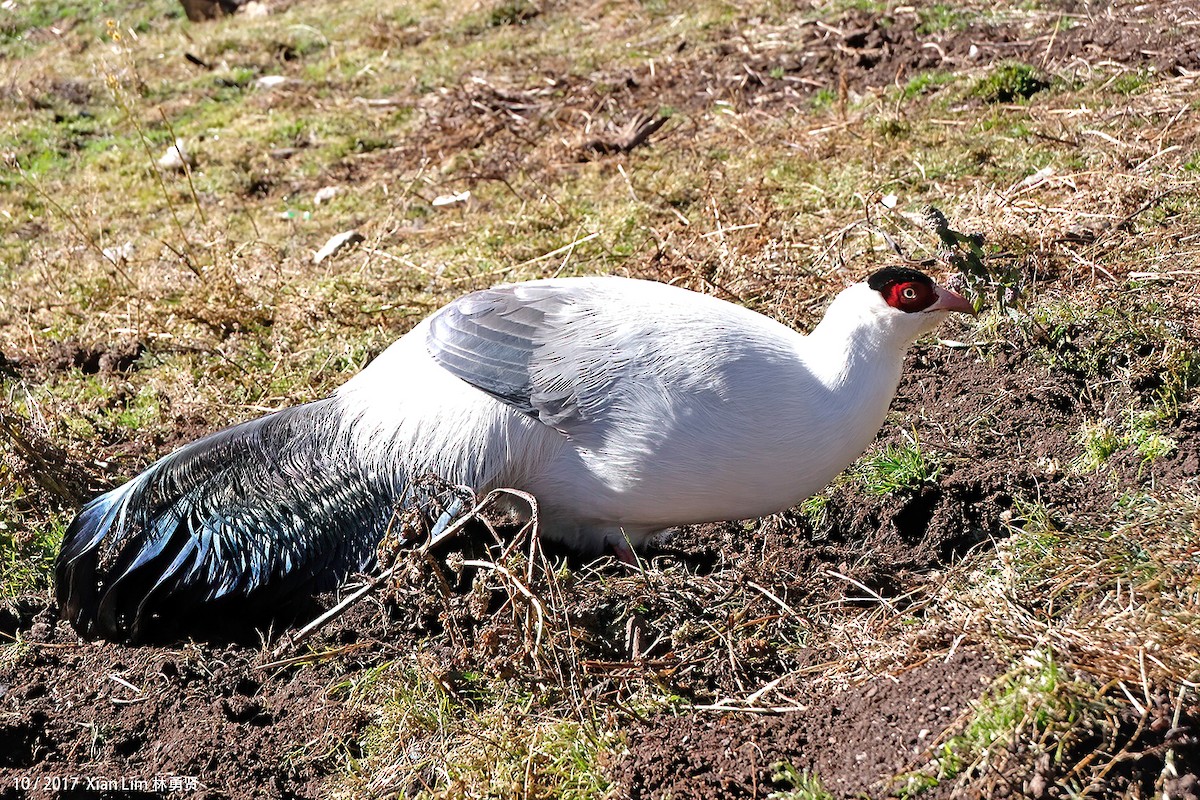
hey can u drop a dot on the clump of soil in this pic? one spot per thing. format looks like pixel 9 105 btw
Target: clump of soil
pixel 103 359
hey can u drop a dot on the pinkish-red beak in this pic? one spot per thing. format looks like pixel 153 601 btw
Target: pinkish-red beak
pixel 951 301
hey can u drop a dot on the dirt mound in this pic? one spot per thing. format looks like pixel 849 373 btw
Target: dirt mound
pixel 120 357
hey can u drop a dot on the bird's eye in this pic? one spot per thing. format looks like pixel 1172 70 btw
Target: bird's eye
pixel 908 296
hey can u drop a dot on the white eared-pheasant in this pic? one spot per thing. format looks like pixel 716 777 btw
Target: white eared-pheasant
pixel 626 407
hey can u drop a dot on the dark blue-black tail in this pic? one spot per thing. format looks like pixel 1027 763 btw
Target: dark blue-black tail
pixel 247 518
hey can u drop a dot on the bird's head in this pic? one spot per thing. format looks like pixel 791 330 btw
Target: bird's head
pixel 899 304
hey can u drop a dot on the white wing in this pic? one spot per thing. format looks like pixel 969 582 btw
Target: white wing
pixel 577 355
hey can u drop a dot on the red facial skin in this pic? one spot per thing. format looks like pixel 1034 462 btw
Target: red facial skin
pixel 909 296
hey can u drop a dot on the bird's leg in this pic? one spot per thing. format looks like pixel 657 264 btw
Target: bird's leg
pixel 439 528
pixel 620 548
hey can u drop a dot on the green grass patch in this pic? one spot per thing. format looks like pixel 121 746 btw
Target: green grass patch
pixel 897 468
pixel 1010 82
pixel 483 739
pixel 800 784
pixel 28 543
pixel 1036 699
pixel 512 12
pixel 1060 601
pixel 28 26
pixel 926 83
pixel 1099 442
pixel 945 17
pixel 1137 430
pixel 1131 82
pixel 815 509
pixel 1094 339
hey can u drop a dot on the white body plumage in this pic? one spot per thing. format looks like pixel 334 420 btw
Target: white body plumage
pixel 711 411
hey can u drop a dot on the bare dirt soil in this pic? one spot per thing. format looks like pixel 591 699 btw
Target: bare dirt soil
pixel 223 712
pixel 854 738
